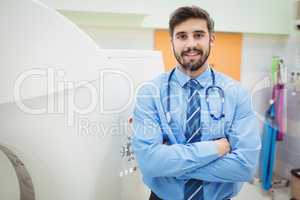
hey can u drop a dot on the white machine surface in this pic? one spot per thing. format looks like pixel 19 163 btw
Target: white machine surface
pixel 64 109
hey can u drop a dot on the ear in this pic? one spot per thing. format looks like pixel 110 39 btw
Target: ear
pixel 171 44
pixel 212 39
pixel 171 40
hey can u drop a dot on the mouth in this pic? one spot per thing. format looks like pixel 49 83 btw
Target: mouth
pixel 192 54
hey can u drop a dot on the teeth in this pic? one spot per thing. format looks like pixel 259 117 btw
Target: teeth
pixel 192 54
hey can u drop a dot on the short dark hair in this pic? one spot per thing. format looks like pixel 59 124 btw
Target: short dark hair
pixel 182 14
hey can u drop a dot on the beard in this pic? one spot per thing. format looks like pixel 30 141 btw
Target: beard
pixel 193 64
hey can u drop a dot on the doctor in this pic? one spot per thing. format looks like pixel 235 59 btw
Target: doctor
pixel 195 134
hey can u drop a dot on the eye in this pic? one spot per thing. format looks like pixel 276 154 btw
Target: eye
pixel 198 35
pixel 182 36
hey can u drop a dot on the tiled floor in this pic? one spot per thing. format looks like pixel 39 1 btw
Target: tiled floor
pixel 254 192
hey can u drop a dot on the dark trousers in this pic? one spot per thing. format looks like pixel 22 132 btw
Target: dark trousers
pixel 154 197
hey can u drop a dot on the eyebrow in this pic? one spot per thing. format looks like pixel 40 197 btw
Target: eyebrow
pixel 196 31
pixel 199 31
pixel 179 33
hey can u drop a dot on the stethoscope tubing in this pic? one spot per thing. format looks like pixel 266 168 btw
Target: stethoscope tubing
pixel 213 86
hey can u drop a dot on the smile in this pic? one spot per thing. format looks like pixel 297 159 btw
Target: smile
pixel 192 53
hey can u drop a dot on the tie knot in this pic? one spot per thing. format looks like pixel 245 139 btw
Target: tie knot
pixel 193 84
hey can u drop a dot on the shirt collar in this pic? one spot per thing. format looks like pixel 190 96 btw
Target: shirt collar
pixel 203 78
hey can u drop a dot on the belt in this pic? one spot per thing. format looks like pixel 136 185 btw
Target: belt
pixel 154 197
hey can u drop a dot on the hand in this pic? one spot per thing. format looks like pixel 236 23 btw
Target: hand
pixel 223 146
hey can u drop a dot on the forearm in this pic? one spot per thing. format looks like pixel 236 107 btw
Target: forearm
pixel 229 168
pixel 240 164
pixel 159 160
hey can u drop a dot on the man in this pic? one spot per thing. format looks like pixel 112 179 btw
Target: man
pixel 188 142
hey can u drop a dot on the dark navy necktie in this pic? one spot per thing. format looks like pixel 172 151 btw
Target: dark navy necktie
pixel 193 188
pixel 193 116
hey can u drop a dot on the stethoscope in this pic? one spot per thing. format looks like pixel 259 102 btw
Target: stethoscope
pixel 207 93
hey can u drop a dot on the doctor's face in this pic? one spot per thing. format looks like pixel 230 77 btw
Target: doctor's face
pixel 191 43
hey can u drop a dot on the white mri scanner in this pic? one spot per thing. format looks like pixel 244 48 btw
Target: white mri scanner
pixel 64 109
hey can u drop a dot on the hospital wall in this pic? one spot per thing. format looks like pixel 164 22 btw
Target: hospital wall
pixel 256 16
pixel 120 38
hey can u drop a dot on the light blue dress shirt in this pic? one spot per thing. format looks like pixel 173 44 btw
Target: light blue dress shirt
pixel 163 156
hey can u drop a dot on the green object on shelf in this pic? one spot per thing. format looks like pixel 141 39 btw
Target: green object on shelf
pixel 274 68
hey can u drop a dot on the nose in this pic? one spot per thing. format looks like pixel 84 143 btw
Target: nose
pixel 190 43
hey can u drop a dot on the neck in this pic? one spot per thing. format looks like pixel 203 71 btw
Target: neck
pixel 194 74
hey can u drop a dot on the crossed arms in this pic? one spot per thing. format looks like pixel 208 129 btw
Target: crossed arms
pixel 225 160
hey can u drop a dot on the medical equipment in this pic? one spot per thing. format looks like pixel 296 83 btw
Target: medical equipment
pixel 38 150
pixel 295 82
pixel 207 93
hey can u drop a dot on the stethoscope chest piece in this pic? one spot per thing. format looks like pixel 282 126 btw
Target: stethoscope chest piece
pixel 221 95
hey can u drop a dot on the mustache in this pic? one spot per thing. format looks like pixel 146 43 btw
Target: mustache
pixel 195 49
